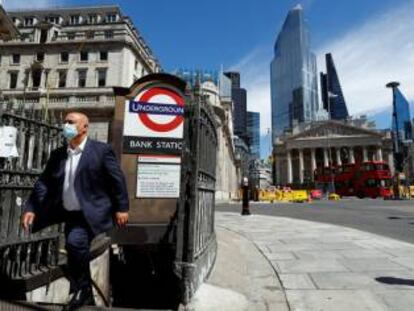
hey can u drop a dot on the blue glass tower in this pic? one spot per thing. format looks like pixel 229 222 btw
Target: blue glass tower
pixel 293 73
pixel 332 96
pixel 253 133
pixel 401 123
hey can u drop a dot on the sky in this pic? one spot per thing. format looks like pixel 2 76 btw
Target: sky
pixel 372 42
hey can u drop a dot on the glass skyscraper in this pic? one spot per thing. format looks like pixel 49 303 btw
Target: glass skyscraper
pixel 332 96
pixel 239 97
pixel 293 73
pixel 402 123
pixel 253 133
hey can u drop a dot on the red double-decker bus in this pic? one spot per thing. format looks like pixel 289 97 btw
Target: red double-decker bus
pixel 367 179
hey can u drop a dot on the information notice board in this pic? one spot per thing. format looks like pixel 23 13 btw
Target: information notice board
pixel 158 176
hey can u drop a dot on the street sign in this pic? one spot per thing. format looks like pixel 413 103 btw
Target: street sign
pixel 154 121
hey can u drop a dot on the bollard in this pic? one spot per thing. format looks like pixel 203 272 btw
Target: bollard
pixel 245 207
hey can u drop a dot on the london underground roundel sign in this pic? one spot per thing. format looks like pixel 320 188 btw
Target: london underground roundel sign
pixel 156 112
pixel 177 111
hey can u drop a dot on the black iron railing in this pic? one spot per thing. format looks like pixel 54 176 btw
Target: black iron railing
pixel 21 253
pixel 196 240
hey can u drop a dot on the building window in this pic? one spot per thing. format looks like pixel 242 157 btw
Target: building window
pixel 55 35
pixel 40 57
pixel 64 57
pixel 136 65
pixel 111 18
pixel 16 59
pixel 43 36
pixel 84 55
pixel 92 19
pixel 101 77
pixel 71 35
pixel 13 79
pixel 28 21
pixel 109 34
pixel 103 56
pixel 53 19
pixel 82 78
pixel 62 78
pixel 90 34
pixel 36 77
pixel 75 19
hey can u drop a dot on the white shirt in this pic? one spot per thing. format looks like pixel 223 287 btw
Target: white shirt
pixel 70 200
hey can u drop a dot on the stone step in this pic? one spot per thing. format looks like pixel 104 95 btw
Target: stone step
pixel 26 306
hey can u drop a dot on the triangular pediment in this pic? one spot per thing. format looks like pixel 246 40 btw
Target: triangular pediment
pixel 332 129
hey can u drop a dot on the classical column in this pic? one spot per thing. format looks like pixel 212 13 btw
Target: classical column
pixel 301 166
pixel 391 163
pixel 351 155
pixel 338 156
pixel 289 167
pixel 325 157
pixel 313 161
pixel 379 154
pixel 365 153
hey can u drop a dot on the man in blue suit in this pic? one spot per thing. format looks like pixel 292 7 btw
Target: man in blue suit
pixel 83 186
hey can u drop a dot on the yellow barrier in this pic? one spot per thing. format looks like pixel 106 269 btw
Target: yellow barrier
pixel 283 195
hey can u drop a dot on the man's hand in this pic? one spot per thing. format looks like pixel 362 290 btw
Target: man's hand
pixel 27 220
pixel 121 218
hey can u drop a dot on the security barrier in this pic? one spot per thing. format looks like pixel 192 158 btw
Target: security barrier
pixel 285 195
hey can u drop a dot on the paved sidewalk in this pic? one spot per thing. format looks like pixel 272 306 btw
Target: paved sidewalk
pixel 321 266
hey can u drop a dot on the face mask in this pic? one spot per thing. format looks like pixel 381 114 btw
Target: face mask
pixel 70 131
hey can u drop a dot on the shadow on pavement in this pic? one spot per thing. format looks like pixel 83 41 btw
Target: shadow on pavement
pixel 394 281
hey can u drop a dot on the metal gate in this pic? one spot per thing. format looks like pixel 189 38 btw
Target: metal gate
pixel 23 255
pixel 196 239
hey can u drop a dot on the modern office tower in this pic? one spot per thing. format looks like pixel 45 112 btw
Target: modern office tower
pixel 235 78
pixel 239 97
pixel 253 133
pixel 332 95
pixel 71 58
pixel 402 123
pixel 294 86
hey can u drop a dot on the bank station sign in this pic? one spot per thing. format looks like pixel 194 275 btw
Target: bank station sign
pixel 154 122
pixel 153 128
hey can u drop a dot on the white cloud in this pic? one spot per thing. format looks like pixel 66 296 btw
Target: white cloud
pixel 367 57
pixel 36 4
pixel 371 55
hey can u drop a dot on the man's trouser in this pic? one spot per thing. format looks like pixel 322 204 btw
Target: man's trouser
pixel 78 236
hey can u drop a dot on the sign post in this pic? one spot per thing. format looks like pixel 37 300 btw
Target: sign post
pixel 147 134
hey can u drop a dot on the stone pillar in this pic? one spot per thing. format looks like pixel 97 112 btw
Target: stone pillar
pixel 338 156
pixel 365 154
pixel 391 163
pixel 325 157
pixel 301 166
pixel 313 162
pixel 289 167
pixel 379 154
pixel 351 155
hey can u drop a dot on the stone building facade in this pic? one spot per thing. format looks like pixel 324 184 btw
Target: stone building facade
pixel 324 143
pixel 70 58
pixel 227 169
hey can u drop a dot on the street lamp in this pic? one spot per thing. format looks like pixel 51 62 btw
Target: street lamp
pixel 330 95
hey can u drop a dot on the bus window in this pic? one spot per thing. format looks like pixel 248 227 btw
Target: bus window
pixel 385 183
pixel 371 183
pixel 382 167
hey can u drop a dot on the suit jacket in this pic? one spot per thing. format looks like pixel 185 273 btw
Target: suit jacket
pixel 99 185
